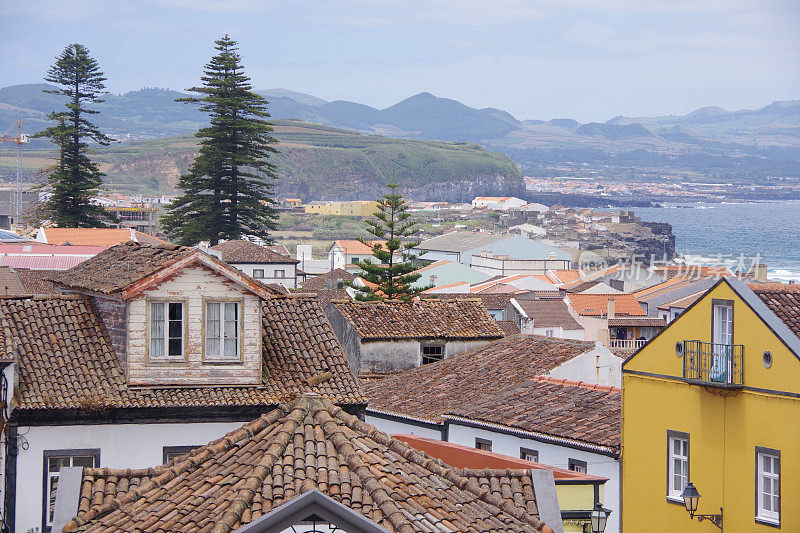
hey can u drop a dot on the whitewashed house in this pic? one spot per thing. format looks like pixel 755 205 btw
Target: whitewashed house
pixel 548 317
pixel 259 262
pixel 149 352
pixel 542 399
pixel 386 337
pixel 498 203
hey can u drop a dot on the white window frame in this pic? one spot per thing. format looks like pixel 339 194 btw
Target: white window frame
pixel 49 477
pixel 772 477
pixel 674 494
pixel 483 444
pixel 220 357
pixel 432 357
pixel 576 465
pixel 528 454
pixel 165 357
pixel 256 274
pixel 279 274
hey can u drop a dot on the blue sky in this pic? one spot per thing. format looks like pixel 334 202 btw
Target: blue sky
pixel 583 59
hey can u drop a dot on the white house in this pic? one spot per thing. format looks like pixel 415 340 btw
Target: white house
pixel 548 317
pixel 498 203
pixel 390 336
pixel 349 252
pixel 543 399
pixel 529 231
pixel 259 262
pixel 150 351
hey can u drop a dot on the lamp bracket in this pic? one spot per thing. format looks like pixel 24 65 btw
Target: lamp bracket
pixel 715 519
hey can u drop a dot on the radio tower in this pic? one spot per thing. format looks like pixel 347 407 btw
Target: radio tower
pixel 18 140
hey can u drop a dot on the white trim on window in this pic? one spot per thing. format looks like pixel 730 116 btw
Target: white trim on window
pixel 768 483
pixel 223 321
pixel 166 330
pixel 678 465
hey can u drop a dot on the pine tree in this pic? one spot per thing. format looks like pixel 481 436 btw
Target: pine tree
pixel 392 277
pixel 75 179
pixel 227 192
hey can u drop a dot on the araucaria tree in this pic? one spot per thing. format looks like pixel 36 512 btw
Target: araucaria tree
pixel 392 277
pixel 227 192
pixel 76 178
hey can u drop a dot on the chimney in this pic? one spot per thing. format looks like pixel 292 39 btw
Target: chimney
pixel 611 307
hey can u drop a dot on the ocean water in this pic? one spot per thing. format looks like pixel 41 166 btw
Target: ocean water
pixel 704 232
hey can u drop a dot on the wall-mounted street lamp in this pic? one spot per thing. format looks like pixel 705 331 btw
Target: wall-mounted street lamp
pixel 691 498
pixel 598 519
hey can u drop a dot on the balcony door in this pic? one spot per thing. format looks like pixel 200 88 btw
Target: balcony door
pixel 722 337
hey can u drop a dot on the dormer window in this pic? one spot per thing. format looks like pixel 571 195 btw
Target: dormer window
pixel 167 331
pixel 222 331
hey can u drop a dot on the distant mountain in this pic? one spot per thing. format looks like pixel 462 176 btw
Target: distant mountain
pixel 707 141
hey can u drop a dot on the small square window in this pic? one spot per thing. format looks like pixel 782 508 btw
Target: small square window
pixel 529 455
pixel 280 273
pixel 483 444
pixel 432 353
pixel 577 466
pixel 171 452
pixel 258 273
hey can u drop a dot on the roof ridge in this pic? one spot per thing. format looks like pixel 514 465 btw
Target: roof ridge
pixel 571 383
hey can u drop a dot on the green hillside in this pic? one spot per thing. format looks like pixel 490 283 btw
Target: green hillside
pixel 316 162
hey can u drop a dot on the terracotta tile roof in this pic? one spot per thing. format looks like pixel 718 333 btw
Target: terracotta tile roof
pixel 322 280
pixel 98 236
pixel 550 313
pixel 10 284
pixel 587 413
pixel 237 251
pixel 67 361
pixel 783 300
pixel 692 271
pixel 597 304
pixel 683 303
pixel 307 444
pixel 357 247
pixel 42 262
pixel 455 319
pixel 660 286
pixel 35 282
pixel 565 276
pixel 119 267
pixel 508 327
pixel 428 392
pixel 489 300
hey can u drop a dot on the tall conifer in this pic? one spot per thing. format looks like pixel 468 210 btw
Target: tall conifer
pixel 227 192
pixel 75 179
pixel 391 278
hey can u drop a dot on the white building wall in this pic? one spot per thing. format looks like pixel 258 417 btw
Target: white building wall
pixel 553 455
pixel 394 427
pixel 271 272
pixel 121 446
pixel 598 366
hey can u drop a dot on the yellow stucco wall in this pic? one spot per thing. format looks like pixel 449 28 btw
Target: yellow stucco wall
pixel 574 497
pixel 724 428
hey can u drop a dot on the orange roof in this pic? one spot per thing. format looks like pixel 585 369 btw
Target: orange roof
pixel 597 304
pixel 566 276
pixel 663 285
pixel 98 236
pixel 694 271
pixel 356 247
pixel 459 456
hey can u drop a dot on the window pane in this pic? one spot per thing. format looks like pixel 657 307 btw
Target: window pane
pixel 157 329
pixel 87 462
pixel 176 311
pixel 231 330
pixel 175 329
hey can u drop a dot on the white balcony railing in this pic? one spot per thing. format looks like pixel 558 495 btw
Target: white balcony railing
pixel 627 344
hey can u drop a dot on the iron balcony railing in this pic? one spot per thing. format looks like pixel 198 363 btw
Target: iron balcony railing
pixel 713 363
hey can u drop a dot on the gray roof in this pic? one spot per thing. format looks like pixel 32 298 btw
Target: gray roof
pixel 459 241
pixel 675 292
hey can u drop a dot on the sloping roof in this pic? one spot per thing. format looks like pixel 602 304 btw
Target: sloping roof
pixel 430 391
pixel 597 304
pixel 454 319
pixel 692 271
pixel 494 301
pixel 355 247
pixel 783 300
pixel 557 407
pixel 565 276
pixel 98 236
pixel 321 281
pixel 508 327
pixel 637 321
pixel 10 284
pixel 67 361
pixel 237 251
pixel 682 303
pixel 305 445
pixel 120 266
pixel 42 262
pixel 459 241
pixel 550 313
pixel 24 282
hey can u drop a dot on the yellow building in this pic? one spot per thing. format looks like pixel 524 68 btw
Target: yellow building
pixel 356 208
pixel 714 400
